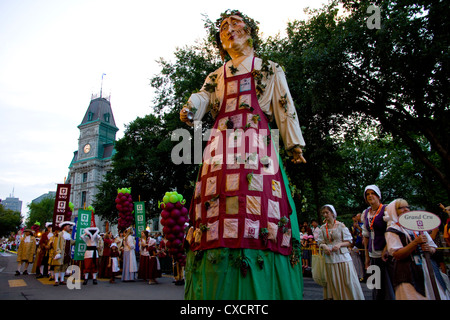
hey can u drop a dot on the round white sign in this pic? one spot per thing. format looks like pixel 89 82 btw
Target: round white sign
pixel 419 220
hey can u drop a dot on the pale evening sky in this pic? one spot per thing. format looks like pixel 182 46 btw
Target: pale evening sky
pixel 52 57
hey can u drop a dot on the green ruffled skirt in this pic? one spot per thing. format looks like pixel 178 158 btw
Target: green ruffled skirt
pixel 216 274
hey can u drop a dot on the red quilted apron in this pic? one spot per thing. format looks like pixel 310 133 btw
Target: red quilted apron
pixel 240 200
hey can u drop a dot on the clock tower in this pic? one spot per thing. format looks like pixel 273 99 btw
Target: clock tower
pixel 92 160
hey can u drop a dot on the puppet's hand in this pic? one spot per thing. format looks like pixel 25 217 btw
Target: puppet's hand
pixel 297 154
pixel 186 115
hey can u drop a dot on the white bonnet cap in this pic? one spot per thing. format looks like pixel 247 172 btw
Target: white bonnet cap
pixel 332 209
pixel 374 188
pixel 390 213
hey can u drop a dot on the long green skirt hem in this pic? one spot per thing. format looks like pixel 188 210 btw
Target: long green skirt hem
pixel 216 274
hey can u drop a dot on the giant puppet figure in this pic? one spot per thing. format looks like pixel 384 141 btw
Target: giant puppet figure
pixel 246 236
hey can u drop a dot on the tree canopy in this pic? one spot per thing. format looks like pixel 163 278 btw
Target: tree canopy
pixel 10 221
pixel 41 212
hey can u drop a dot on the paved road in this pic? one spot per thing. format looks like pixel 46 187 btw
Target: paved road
pixel 27 287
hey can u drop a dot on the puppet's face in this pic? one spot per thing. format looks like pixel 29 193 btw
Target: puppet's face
pixel 234 33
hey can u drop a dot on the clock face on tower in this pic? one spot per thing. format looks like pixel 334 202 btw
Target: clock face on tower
pixel 87 148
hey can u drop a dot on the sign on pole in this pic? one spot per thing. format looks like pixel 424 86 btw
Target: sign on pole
pixel 61 203
pixel 139 217
pixel 419 220
pixel 84 221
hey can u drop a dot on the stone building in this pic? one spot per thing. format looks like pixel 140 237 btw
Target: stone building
pixel 92 160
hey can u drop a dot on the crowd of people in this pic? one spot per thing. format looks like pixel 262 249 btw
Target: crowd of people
pixel 106 257
pixel 375 238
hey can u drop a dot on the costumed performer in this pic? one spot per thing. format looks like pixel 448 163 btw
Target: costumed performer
pixel 62 257
pixel 242 209
pixel 113 263
pixel 129 256
pixel 104 271
pixel 411 278
pixel 90 264
pixel 335 238
pixel 144 258
pixel 44 247
pixel 154 267
pixel 373 230
pixel 52 252
pixel 26 251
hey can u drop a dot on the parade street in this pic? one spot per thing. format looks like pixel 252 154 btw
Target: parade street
pixel 27 287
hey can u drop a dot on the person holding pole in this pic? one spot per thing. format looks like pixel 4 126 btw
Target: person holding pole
pixel 412 277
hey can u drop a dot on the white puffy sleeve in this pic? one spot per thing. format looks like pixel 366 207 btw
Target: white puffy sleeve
pixel 277 101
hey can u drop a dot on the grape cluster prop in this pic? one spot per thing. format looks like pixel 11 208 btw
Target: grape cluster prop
pixel 36 227
pixel 69 212
pixel 124 204
pixel 173 217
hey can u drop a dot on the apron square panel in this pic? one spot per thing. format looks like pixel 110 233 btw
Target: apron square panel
pixel 256 182
pixel 251 229
pixel 276 188
pixel 237 121
pixel 286 239
pixel 245 102
pixel 198 189
pixel 251 161
pixel 232 205
pixel 198 211
pixel 245 85
pixel 214 143
pixel 231 105
pixel 216 163
pixel 273 210
pixel 213 231
pixel 252 120
pixel 267 165
pixel 198 235
pixel 222 125
pixel 204 168
pixel 232 87
pixel 211 186
pixel 213 209
pixel 232 182
pixel 230 228
pixel 273 231
pixel 254 205
pixel 233 162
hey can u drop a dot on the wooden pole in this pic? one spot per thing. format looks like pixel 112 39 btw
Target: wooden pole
pixel 431 273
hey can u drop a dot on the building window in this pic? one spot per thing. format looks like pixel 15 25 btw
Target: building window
pixel 106 115
pixel 90 116
pixel 85 176
pixel 83 198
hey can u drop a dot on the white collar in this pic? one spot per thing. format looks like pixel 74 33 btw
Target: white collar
pixel 244 67
pixel 66 235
